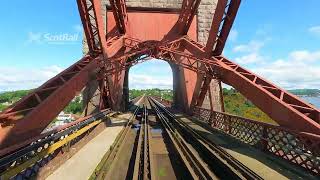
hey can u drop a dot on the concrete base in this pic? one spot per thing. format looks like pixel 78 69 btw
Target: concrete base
pixel 83 163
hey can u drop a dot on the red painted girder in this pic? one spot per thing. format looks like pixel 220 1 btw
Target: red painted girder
pixel 187 13
pixel 119 11
pixel 92 21
pixel 288 110
pixel 228 19
pixel 166 51
pixel 113 45
pixel 91 24
pixel 215 26
pixel 203 91
pixel 285 108
pixel 293 110
pixel 32 114
pixel 29 116
pixel 134 56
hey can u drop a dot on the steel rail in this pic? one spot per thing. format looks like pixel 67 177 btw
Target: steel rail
pixel 27 157
pixel 228 163
pixel 197 168
pixel 102 168
pixel 33 147
pixel 142 169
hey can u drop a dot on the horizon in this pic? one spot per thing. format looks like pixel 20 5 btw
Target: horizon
pixel 159 88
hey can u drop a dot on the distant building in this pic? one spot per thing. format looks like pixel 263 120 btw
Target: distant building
pixel 63 116
pixel 78 96
pixel 7 103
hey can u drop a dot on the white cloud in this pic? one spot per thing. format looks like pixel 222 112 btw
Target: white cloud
pixel 145 81
pixel 25 78
pixel 249 53
pixel 252 46
pixel 315 30
pixel 233 35
pixel 295 71
pixel 299 69
pixel 304 55
pixel 253 57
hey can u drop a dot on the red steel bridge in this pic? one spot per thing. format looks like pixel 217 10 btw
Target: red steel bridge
pixel 134 35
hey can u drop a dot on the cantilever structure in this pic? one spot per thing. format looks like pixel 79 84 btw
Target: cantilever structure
pixel 135 35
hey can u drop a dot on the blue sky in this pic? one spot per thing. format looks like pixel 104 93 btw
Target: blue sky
pixel 40 38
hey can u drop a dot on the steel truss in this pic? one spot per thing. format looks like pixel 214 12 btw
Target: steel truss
pixel 285 108
pixel 110 55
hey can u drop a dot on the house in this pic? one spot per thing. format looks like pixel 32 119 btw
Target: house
pixel 65 117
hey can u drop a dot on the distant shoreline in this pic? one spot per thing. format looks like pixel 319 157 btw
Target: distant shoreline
pixel 308 96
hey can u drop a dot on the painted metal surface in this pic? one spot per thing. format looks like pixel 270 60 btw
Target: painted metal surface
pixel 120 15
pixel 154 25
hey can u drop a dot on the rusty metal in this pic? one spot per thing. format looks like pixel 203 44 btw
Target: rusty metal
pixel 143 166
pixel 196 166
pixel 103 168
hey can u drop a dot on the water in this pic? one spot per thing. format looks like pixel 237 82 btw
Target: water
pixel 313 100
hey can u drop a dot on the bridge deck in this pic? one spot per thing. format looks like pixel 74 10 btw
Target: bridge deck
pixel 83 163
pixel 265 165
pixel 86 160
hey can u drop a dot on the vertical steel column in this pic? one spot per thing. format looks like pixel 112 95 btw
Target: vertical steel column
pixel 188 11
pixel 232 9
pixel 215 26
pixel 120 15
pixel 91 17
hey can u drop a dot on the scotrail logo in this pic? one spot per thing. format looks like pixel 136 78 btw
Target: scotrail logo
pixel 50 38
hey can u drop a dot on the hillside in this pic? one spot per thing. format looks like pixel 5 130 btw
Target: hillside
pixel 237 104
pixel 165 93
pixel 234 102
pixel 8 98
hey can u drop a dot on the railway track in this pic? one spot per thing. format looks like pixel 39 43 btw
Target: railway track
pixel 204 159
pixel 142 169
pixel 105 164
pixel 200 158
